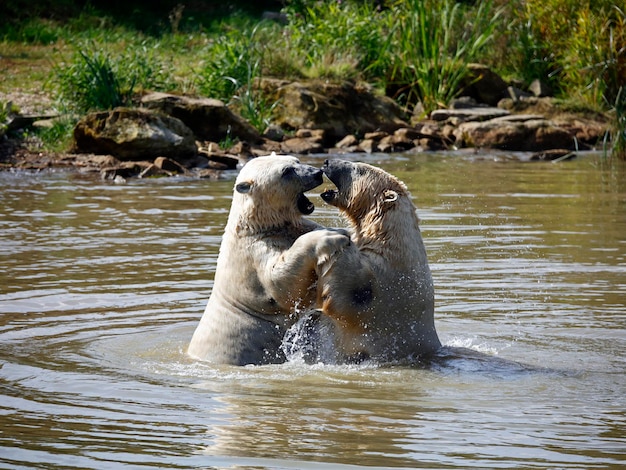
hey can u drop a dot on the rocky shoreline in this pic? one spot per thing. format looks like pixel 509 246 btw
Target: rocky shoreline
pixel 167 135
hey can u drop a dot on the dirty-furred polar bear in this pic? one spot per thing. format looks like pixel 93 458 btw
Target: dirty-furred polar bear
pixel 376 295
pixel 266 268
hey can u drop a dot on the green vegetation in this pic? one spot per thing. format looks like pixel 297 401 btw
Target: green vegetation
pixel 416 51
pixel 95 79
pixel 428 52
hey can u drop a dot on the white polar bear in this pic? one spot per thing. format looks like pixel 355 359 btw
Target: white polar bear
pixel 266 268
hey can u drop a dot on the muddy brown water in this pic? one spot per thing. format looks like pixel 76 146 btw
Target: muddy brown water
pixel 101 286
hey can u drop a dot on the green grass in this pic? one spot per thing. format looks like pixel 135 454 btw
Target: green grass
pixel 58 137
pixel 426 55
pixel 96 79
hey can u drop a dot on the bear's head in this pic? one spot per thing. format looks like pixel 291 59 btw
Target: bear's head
pixel 270 190
pixel 362 190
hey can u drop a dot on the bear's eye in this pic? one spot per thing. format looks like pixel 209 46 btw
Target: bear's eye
pixel 288 172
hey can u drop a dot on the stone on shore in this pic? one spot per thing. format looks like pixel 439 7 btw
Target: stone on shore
pixel 338 109
pixel 134 134
pixel 484 85
pixel 209 119
pixel 514 133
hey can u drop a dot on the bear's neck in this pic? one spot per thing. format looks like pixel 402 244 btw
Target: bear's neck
pixel 247 218
pixel 380 232
pixel 267 226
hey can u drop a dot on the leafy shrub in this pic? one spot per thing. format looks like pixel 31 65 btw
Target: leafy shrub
pixel 618 128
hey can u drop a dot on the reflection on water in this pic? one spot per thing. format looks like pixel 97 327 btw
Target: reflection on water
pixel 101 287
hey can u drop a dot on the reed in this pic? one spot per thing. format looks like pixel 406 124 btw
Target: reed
pixel 618 127
pixel 426 55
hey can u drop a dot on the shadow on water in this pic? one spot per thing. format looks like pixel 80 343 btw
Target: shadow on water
pixel 458 360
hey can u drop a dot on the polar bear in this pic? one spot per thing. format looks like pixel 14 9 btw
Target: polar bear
pixel 378 291
pixel 266 268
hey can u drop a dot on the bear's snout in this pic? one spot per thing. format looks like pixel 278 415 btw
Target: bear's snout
pixel 338 171
pixel 310 176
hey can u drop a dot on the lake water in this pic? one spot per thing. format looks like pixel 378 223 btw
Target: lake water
pixel 102 285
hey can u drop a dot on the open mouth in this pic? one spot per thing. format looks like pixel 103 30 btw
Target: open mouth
pixel 329 195
pixel 305 206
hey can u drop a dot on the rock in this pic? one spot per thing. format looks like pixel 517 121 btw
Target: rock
pixel 318 135
pixel 124 170
pixel 426 144
pixel 89 161
pixel 217 161
pixel 338 109
pixel 587 128
pixel 168 165
pixel 349 144
pixel 539 88
pixel 243 149
pixel 209 119
pixel 516 94
pixel 348 141
pixel 23 121
pixel 267 147
pixel 553 154
pixel 274 132
pixel 546 107
pixel 516 135
pixel 464 102
pixel 134 134
pixel 398 142
pixel 368 145
pixel 153 171
pixel 431 131
pixel 407 133
pixel 586 132
pixel 469 114
pixel 375 136
pixel 484 85
pixel 207 173
pixel 301 146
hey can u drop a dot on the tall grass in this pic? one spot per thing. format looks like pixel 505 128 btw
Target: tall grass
pixel 618 128
pixel 231 61
pixel 336 40
pixel 426 54
pixel 96 79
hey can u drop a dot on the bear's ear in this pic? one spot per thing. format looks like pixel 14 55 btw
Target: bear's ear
pixel 243 187
pixel 390 195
